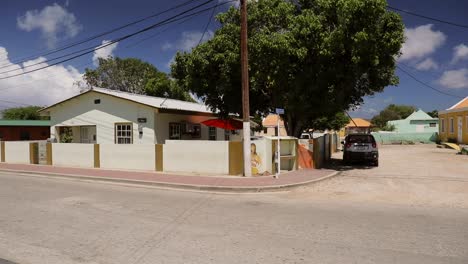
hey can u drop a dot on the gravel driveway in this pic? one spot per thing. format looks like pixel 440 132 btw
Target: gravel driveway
pixel 415 175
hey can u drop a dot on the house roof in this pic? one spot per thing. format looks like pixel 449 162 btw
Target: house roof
pixel 151 101
pixel 271 120
pixel 462 104
pixel 359 122
pixel 44 123
pixel 420 115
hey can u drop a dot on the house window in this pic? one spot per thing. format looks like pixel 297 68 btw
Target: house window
pixel 226 134
pixel 442 125
pixel 196 131
pixel 432 124
pixel 212 133
pixel 466 124
pixel 265 130
pixel 452 127
pixel 123 133
pixel 174 130
pixel 97 101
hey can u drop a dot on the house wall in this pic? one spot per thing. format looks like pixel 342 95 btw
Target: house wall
pixel 411 126
pixel 82 111
pixel 446 135
pixel 198 156
pixel 271 132
pixel 17 152
pixel 73 155
pixel 124 156
pixel 13 133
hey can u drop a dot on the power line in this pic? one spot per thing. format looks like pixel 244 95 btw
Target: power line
pixel 428 17
pixel 427 85
pixel 207 25
pixel 100 34
pixel 164 22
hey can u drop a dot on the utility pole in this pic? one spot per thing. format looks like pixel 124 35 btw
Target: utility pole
pixel 245 90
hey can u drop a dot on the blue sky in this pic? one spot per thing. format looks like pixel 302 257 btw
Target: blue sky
pixel 32 26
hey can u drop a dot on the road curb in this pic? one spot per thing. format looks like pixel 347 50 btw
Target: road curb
pixel 175 186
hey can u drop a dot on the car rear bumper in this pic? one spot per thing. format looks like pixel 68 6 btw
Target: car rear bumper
pixel 361 156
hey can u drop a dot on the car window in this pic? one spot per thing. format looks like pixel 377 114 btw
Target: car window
pixel 361 139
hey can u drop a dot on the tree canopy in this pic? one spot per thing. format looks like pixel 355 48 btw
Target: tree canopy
pixel 314 58
pixel 392 112
pixel 23 113
pixel 433 113
pixel 135 76
pixel 335 122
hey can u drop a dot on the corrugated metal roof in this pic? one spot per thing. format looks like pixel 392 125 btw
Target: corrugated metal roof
pixel 4 122
pixel 157 102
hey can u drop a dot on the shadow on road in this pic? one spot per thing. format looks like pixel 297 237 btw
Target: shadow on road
pixel 4 261
pixel 337 164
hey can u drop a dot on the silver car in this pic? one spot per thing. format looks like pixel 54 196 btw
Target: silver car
pixel 360 147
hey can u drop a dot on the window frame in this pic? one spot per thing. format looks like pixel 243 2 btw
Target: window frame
pixel 176 124
pixel 116 132
pixel 466 124
pixel 442 125
pixel 452 126
pixel 227 135
pixel 211 136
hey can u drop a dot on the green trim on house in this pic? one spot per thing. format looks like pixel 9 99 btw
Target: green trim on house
pixel 42 123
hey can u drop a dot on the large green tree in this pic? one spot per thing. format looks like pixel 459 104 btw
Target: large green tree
pixel 135 76
pixel 335 122
pixel 23 113
pixel 392 112
pixel 314 58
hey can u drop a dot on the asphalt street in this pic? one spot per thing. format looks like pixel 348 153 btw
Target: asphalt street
pixel 64 221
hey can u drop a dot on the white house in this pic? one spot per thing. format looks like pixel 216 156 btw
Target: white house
pixel 105 116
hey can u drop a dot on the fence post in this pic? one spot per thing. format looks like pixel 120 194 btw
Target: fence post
pixel 97 156
pixel 158 154
pixel 2 151
pixel 49 153
pixel 33 153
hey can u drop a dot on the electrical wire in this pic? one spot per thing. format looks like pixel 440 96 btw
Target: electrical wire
pixel 427 85
pixel 164 22
pixel 428 17
pixel 100 34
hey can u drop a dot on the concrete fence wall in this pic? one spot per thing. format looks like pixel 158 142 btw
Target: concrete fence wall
pixel 387 138
pixel 16 152
pixel 74 155
pixel 196 156
pixel 129 157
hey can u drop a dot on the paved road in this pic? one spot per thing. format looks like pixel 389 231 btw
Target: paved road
pixel 63 221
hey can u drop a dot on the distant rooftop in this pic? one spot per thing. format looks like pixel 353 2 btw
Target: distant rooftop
pixel 359 122
pixel 43 123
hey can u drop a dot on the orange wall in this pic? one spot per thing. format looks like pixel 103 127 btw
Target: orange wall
pixel 445 135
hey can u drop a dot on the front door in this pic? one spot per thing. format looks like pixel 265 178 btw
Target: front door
pixel 460 130
pixel 88 134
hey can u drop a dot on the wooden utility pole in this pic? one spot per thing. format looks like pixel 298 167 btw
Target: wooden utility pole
pixel 245 90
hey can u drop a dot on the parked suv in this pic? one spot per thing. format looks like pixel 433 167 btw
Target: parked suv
pixel 360 147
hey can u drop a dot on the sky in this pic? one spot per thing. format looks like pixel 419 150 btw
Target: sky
pixel 435 53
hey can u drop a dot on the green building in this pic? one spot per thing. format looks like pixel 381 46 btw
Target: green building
pixel 417 122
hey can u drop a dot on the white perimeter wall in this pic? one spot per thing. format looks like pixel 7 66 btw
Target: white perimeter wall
pixel 82 111
pixel 196 156
pixel 17 152
pixel 73 155
pixel 131 157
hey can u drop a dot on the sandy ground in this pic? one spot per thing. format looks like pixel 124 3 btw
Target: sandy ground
pixel 414 175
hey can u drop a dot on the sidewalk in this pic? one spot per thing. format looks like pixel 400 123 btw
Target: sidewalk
pixel 206 183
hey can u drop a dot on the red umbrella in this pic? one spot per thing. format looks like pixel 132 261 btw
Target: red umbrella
pixel 227 124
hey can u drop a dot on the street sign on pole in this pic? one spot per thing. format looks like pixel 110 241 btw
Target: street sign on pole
pixel 279 111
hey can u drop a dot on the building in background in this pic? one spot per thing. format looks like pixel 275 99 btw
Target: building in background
pixel 417 122
pixel 453 123
pixel 17 130
pixel 270 125
pixel 356 125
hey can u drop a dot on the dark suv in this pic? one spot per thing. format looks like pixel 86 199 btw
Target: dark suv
pixel 360 147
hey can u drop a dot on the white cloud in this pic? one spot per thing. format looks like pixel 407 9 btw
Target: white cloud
pixel 460 52
pixel 427 64
pixel 107 51
pixel 41 88
pixel 421 41
pixel 52 21
pixel 188 40
pixel 455 79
